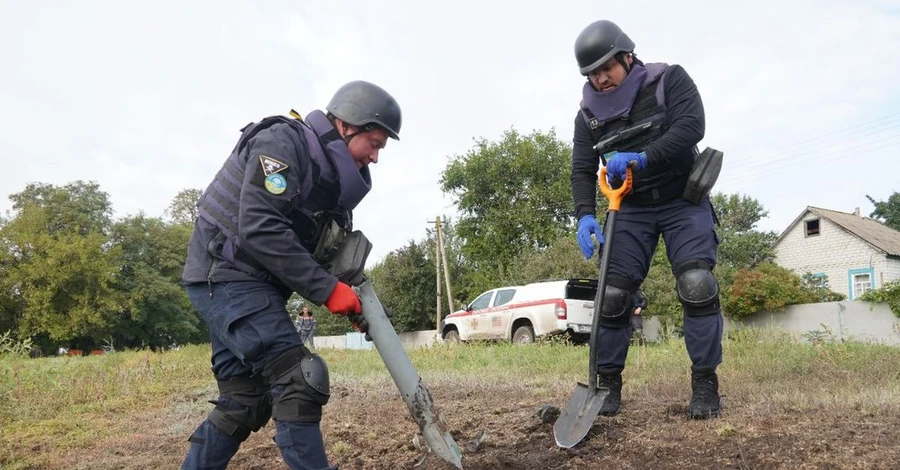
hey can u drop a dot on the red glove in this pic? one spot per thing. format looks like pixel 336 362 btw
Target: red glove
pixel 343 301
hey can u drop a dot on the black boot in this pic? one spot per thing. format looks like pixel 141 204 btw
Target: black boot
pixel 705 397
pixel 613 381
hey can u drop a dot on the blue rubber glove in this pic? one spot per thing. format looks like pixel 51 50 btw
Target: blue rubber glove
pixel 588 225
pixel 615 166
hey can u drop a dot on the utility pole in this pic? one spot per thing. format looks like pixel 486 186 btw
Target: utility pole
pixel 440 257
pixel 437 270
pixel 440 237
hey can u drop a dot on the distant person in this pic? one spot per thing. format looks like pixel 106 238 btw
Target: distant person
pixel 288 181
pixel 306 326
pixel 660 107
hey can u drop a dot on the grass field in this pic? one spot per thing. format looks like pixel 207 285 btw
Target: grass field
pixel 785 405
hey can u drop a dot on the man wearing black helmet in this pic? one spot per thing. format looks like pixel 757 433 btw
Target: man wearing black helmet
pixel 262 233
pixel 649 117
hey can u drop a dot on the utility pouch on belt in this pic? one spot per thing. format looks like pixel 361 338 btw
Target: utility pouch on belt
pixel 703 175
pixel 343 254
pixel 330 237
pixel 349 260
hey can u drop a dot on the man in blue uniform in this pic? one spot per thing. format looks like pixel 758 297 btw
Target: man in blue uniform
pixel 264 230
pixel 651 117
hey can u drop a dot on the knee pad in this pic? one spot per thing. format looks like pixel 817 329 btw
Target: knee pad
pixel 698 289
pixel 299 383
pixel 243 406
pixel 618 303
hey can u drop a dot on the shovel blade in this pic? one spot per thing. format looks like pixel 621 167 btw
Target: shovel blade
pixel 579 414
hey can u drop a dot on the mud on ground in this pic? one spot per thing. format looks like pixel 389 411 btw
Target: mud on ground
pixel 369 428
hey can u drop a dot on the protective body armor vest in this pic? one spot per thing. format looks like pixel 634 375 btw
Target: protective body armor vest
pixel 654 184
pixel 318 202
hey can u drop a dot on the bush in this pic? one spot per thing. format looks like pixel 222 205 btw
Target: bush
pixel 766 288
pixel 10 346
pixel 889 294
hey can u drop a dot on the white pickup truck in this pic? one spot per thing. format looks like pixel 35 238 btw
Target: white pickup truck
pixel 523 313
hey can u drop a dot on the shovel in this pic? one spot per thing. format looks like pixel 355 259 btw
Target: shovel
pixel 584 404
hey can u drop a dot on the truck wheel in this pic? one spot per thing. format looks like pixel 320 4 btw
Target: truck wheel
pixel 523 335
pixel 451 336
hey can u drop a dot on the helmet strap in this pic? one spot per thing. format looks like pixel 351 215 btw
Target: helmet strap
pixel 366 128
pixel 347 138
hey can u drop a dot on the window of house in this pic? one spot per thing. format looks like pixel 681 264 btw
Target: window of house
pixel 862 283
pixel 812 227
pixel 819 280
pixel 503 296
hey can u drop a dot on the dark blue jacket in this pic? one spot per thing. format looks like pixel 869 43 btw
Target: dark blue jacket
pixel 671 101
pixel 261 217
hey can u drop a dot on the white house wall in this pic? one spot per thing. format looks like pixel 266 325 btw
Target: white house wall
pixel 834 252
pixel 891 271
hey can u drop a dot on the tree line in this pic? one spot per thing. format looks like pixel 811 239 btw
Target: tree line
pixel 72 275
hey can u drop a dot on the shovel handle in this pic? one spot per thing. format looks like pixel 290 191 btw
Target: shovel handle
pixel 615 196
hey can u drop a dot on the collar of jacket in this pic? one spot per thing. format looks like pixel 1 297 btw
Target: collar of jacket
pixel 355 182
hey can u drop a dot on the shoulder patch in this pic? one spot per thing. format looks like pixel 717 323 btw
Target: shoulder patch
pixel 275 183
pixel 271 166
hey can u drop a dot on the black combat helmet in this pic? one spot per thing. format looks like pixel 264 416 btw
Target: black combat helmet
pixel 363 104
pixel 599 42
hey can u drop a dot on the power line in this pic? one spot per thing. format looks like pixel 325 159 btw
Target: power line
pixel 891 117
pixel 835 154
pixel 823 144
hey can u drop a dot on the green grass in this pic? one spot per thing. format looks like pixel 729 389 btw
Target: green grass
pixel 66 403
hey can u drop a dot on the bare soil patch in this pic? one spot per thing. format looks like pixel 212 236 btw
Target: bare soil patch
pixel 369 428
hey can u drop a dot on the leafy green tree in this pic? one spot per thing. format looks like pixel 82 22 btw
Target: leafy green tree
pixel 68 288
pixel 78 207
pixel 405 283
pixel 513 195
pixel 736 212
pixel 183 208
pixel 740 244
pixel 156 312
pixel 888 212
pixel 59 267
pixel 11 304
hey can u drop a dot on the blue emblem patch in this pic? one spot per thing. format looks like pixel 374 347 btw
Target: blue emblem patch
pixel 275 183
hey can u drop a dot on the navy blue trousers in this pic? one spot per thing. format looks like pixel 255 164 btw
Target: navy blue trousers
pixel 689 234
pixel 248 327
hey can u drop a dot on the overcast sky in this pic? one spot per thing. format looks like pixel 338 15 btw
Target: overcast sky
pixel 146 98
